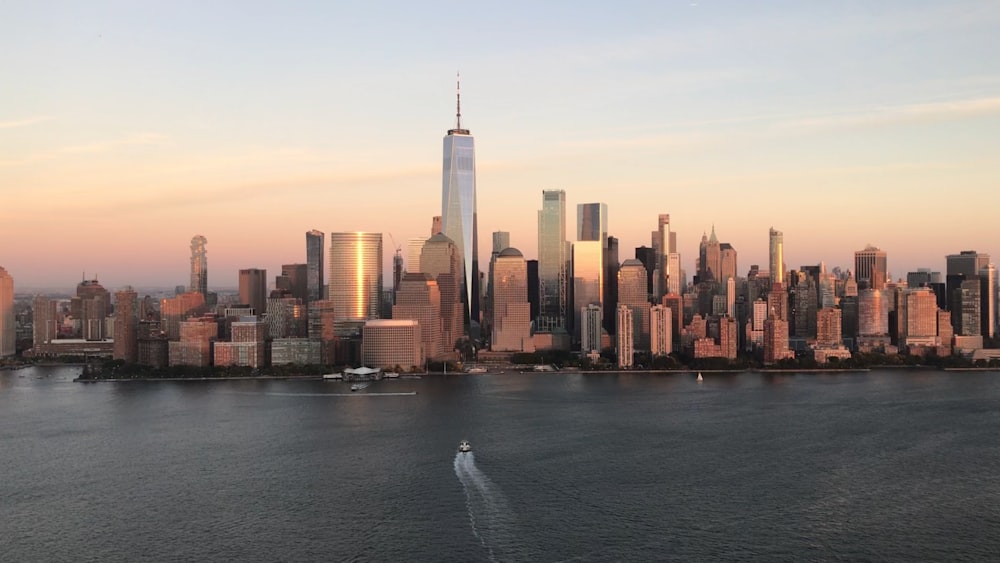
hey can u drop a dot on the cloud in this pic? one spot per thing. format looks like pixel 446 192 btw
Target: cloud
pixel 25 122
pixel 897 115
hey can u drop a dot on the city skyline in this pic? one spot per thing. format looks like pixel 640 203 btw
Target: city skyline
pixel 806 119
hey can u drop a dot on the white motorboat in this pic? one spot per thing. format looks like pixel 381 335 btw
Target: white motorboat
pixel 356 387
pixel 464 446
pixel 700 378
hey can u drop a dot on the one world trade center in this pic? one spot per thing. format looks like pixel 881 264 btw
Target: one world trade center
pixel 458 211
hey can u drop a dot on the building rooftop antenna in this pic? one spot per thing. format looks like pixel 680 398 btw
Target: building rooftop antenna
pixel 458 100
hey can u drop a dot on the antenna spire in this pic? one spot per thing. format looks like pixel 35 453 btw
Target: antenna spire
pixel 458 100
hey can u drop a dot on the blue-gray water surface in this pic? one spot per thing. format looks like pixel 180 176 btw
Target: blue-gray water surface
pixel 878 466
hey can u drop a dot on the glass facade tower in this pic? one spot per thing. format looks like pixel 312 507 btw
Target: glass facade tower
pixel 355 275
pixel 314 264
pixel 776 253
pixel 199 265
pixel 458 210
pixel 553 261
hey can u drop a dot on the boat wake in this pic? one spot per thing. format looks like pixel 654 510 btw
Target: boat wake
pixel 490 516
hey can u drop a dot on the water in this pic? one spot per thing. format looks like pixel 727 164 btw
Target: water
pixel 888 466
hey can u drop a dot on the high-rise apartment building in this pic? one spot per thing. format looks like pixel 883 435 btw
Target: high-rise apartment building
pixel 590 328
pixel 512 313
pixel 776 340
pixel 632 293
pixel 660 330
pixel 870 267
pixel 195 345
pixel 553 262
pixel 988 300
pixel 126 325
pixel 873 313
pixel 625 347
pixel 458 208
pixel 46 320
pixel 7 331
pixel 828 327
pixel 664 242
pixel 442 261
pixel 199 265
pixel 253 289
pixel 355 276
pixel 776 254
pixel 315 251
pixel 919 315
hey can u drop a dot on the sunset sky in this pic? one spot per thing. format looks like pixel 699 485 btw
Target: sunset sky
pixel 128 127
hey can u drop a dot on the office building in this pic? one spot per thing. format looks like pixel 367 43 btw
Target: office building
pixel 828 327
pixel 322 328
pixel 419 299
pixel 355 277
pixel 46 320
pixel 553 262
pixel 988 300
pixel 286 316
pixel 414 247
pixel 442 261
pixel 7 330
pixel 870 267
pixel 592 222
pixel 588 279
pixel 388 343
pixel 315 252
pixel 918 314
pixel 199 265
pixel 253 289
pixel 776 340
pixel 458 209
pixel 873 313
pixel 294 279
pixel 295 351
pixel 512 316
pixel 623 337
pixel 632 293
pixel 126 325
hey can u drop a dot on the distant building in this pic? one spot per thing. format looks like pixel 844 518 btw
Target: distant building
pixel 512 326
pixel 776 340
pixel 294 280
pixel 776 254
pixel 194 348
pixel 828 327
pixel 7 329
pixel 419 299
pixel 126 325
pixel 442 261
pixel 870 267
pixel 199 266
pixel 248 346
pixel 624 336
pixel 553 263
pixel 355 280
pixel 295 351
pixel 253 289
pixel 590 328
pixel 632 293
pixel 660 330
pixel 588 279
pixel 315 251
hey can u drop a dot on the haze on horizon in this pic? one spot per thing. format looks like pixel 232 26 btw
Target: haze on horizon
pixel 127 129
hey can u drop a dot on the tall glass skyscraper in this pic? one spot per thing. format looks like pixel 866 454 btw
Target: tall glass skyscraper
pixel 776 254
pixel 355 275
pixel 314 264
pixel 458 209
pixel 553 261
pixel 199 265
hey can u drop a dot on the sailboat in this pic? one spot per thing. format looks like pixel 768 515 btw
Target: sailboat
pixel 700 378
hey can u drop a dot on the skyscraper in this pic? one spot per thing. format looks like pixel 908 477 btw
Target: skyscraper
pixel 592 222
pixel 870 267
pixel 777 256
pixel 315 242
pixel 553 261
pixel 632 294
pixel 7 331
pixel 355 280
pixel 419 299
pixel 588 281
pixel 441 260
pixel 253 289
pixel 625 347
pixel 512 317
pixel 660 330
pixel 668 260
pixel 126 325
pixel 458 208
pixel 199 265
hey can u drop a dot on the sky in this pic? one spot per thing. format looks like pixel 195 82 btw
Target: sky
pixel 126 128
